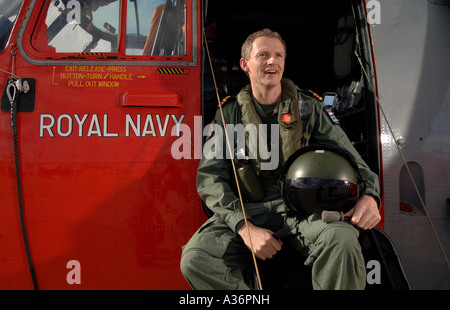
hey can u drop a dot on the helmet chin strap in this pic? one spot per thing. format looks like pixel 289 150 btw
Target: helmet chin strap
pixel 234 166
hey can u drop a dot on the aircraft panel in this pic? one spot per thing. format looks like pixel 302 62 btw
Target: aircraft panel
pixel 413 70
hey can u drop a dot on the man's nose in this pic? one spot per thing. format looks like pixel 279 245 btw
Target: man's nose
pixel 273 59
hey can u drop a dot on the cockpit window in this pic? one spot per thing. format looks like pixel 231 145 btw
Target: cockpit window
pixel 8 14
pixel 83 26
pixel 156 27
pixel 121 30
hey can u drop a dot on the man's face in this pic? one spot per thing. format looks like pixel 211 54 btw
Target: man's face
pixel 265 65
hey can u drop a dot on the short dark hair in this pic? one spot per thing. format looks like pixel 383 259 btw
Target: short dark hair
pixel 248 44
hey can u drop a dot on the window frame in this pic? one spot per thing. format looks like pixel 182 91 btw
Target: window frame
pixel 35 21
pixel 7 34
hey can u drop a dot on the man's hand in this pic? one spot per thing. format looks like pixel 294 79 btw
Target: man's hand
pixel 365 213
pixel 264 244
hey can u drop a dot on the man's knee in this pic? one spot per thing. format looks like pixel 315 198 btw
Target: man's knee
pixel 342 239
pixel 188 262
pixel 339 263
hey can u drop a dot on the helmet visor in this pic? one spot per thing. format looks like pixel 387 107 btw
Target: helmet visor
pixel 313 195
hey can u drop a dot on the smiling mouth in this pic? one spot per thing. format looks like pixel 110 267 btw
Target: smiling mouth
pixel 270 72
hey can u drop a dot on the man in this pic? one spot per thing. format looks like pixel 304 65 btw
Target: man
pixel 217 254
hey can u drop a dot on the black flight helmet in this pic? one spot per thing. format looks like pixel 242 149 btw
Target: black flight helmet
pixel 320 177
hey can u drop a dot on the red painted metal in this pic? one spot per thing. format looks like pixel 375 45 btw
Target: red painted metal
pixel 100 184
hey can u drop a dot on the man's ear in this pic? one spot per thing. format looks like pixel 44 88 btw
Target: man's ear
pixel 243 64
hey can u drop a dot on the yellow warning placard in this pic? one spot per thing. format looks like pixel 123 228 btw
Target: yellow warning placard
pixel 92 76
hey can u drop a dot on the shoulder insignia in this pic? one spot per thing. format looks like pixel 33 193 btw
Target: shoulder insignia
pixel 210 131
pixel 225 100
pixel 315 95
pixel 331 116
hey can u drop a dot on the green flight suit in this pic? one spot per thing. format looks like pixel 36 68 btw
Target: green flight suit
pixel 216 257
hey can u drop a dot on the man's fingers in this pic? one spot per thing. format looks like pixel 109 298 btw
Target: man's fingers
pixel 356 217
pixel 366 214
pixel 262 241
pixel 350 213
pixel 268 248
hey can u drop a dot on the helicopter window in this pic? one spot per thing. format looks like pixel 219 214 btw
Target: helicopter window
pixel 133 30
pixel 83 26
pixel 156 27
pixel 8 15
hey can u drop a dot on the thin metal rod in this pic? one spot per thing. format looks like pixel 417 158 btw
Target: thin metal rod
pixel 234 166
